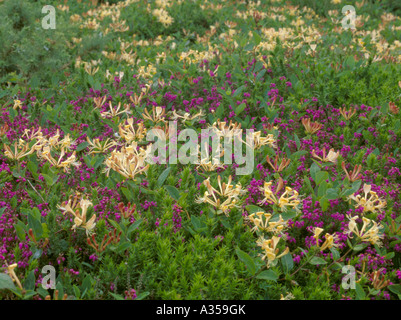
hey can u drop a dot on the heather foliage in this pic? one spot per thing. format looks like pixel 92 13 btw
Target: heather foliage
pixel 79 195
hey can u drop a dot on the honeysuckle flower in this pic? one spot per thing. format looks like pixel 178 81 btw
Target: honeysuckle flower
pixel 210 165
pixel 290 197
pixel 355 174
pixel 347 114
pixel 366 234
pixel 269 196
pixel 91 70
pixel 128 162
pixel 330 157
pixel 163 17
pixel 66 142
pixel 19 154
pixel 99 101
pixel 4 129
pixel 17 104
pixel 136 100
pixel 271 252
pixel 377 282
pixel 279 164
pixel 228 191
pixel 259 141
pixel 317 232
pixel 370 203
pixel 261 221
pixel 129 133
pixel 71 205
pixel 289 296
pixel 33 134
pixel 222 129
pixel 45 153
pixel 79 211
pixel 115 112
pixel 328 243
pixel 157 114
pixel 97 146
pixel 53 140
pixel 311 127
pixel 186 117
pixel 13 276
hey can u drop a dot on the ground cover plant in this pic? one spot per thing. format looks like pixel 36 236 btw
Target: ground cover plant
pixel 85 214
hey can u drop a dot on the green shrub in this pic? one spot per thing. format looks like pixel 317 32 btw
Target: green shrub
pixel 27 49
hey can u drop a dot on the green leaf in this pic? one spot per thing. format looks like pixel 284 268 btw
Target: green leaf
pixel 252 209
pixel 48 179
pixel 238 90
pixel 6 282
pixel 267 275
pixel 142 295
pixel 331 194
pixel 317 261
pixel 81 146
pixel 2 211
pixel 287 263
pixel 29 283
pixel 324 203
pixel 322 189
pixel 163 177
pixel 240 108
pixel 354 188
pixel 360 246
pixel 173 191
pixel 116 296
pixel 35 225
pixel 115 225
pixel 134 226
pixel 245 258
pixel 20 231
pixel 395 288
pixel 321 176
pixel 336 254
pixel 197 223
pixel 77 292
pixel 256 38
pixel 314 169
pixel 360 293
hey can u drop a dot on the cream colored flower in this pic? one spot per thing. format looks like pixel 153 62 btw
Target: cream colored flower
pixel 370 203
pixel 129 133
pixel 128 162
pixel 97 146
pixel 115 112
pixel 290 197
pixel 261 221
pixel 13 276
pixel 80 214
pixel 19 154
pixel 228 191
pixel 373 234
pixel 17 104
pixel 270 249
pixel 330 157
pixel 328 243
pixel 45 153
pixel 156 116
